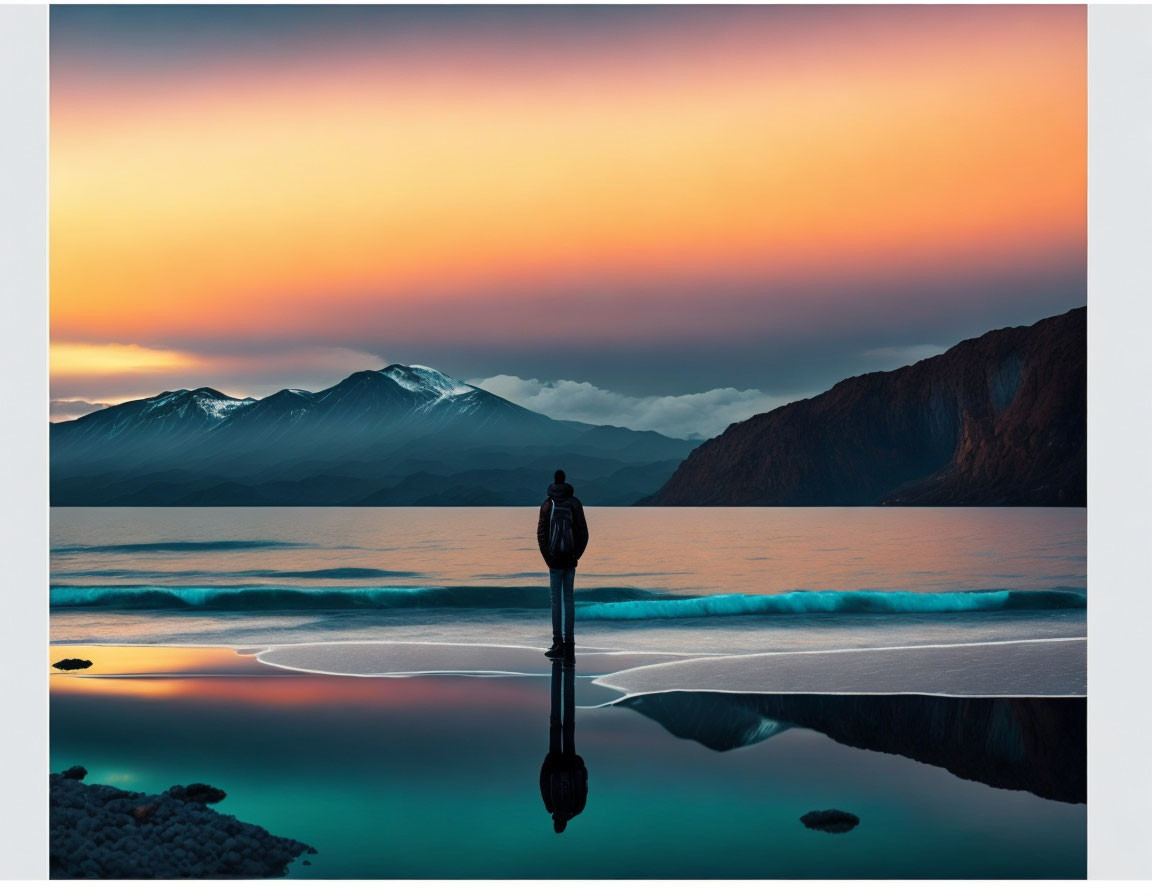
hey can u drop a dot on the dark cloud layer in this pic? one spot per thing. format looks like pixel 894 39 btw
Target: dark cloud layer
pixel 779 339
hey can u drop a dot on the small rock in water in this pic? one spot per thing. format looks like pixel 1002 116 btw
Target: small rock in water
pixel 69 664
pixel 830 821
pixel 197 793
pixel 76 773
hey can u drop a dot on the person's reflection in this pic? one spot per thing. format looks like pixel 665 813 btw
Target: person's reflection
pixel 563 777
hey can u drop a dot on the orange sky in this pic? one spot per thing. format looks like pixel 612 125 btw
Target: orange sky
pixel 270 197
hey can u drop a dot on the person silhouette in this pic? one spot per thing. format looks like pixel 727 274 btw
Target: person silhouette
pixel 563 776
pixel 562 535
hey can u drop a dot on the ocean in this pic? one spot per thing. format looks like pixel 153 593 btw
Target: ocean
pixel 370 681
pixel 252 576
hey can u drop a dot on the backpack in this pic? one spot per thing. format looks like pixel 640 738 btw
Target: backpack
pixel 564 785
pixel 568 786
pixel 561 534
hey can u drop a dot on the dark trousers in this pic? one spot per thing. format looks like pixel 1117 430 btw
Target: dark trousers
pixel 563 603
pixel 562 727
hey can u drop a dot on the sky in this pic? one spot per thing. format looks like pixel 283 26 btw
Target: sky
pixel 661 217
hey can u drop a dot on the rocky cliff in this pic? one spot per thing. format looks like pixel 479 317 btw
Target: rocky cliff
pixel 995 420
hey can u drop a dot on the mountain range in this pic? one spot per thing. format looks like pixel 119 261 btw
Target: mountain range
pixel 404 435
pixel 1000 419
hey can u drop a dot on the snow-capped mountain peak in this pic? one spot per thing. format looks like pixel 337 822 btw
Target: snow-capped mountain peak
pixel 426 380
pixel 211 403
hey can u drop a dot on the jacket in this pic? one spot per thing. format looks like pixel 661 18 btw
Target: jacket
pixel 562 493
pixel 564 786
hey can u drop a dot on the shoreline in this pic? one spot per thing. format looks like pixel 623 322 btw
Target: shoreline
pixel 1051 667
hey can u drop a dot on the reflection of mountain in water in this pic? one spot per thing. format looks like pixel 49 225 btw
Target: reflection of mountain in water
pixel 1015 743
pixel 715 720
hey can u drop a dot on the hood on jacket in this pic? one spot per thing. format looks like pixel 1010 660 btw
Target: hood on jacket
pixel 560 491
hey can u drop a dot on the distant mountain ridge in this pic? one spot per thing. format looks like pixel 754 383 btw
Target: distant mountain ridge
pixel 1000 419
pixel 401 435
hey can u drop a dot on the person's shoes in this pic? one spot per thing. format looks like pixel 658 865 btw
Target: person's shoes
pixel 568 651
pixel 557 649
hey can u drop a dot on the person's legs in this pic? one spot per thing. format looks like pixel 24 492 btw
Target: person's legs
pixel 568 669
pixel 556 719
pixel 569 605
pixel 555 582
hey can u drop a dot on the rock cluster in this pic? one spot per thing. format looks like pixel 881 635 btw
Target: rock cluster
pixel 99 831
pixel 68 665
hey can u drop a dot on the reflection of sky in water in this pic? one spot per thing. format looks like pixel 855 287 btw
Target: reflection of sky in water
pixel 684 550
pixel 438 776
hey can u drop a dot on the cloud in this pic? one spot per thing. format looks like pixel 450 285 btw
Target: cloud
pixel 114 373
pixel 71 408
pixel 701 414
pixel 102 359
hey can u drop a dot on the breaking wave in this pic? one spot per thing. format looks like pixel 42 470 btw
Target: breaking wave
pixel 593 603
pixel 795 602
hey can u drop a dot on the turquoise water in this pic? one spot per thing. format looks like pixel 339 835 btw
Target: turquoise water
pixel 656 578
pixel 438 777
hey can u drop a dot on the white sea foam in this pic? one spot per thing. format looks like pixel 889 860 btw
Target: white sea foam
pixel 1041 668
pixel 1049 667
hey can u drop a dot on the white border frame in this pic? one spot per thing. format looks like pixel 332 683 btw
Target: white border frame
pixel 1120 482
pixel 1119 377
pixel 24 470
